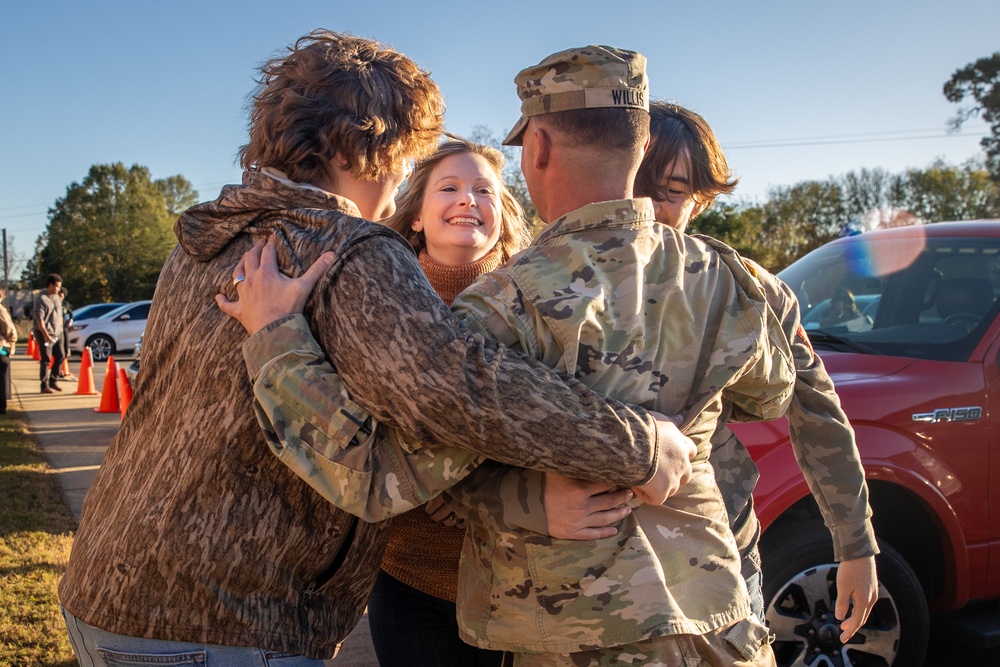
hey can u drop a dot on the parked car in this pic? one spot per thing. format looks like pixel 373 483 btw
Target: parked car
pixel 921 386
pixel 133 369
pixel 116 330
pixel 93 310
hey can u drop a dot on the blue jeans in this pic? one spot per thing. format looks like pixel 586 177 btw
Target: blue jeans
pixel 754 587
pixel 96 648
pixel 413 629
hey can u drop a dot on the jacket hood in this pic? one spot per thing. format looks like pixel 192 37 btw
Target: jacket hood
pixel 205 229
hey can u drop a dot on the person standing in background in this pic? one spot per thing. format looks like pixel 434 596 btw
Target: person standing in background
pixel 48 333
pixel 462 222
pixel 8 339
pixel 67 323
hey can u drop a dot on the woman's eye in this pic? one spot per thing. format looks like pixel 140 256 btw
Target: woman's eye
pixel 448 188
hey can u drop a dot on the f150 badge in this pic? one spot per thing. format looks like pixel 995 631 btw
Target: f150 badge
pixel 949 415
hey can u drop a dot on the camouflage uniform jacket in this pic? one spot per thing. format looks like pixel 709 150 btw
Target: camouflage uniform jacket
pixel 822 440
pixel 192 531
pixel 659 319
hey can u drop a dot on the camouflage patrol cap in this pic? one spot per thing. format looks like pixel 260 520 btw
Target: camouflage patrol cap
pixel 588 77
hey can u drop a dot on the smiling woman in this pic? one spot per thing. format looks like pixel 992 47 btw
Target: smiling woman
pixel 463 222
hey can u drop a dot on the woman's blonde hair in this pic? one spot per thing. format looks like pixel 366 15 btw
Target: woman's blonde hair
pixel 514 231
pixel 337 94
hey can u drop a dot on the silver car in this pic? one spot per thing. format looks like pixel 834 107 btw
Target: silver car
pixel 118 330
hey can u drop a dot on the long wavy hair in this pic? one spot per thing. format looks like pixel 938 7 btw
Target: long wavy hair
pixel 514 231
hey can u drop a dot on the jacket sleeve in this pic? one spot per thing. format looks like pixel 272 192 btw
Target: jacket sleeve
pixel 8 332
pixel 502 497
pixel 313 427
pixel 764 388
pixel 823 440
pixel 406 360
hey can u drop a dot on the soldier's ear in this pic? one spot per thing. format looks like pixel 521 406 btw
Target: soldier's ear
pixel 541 146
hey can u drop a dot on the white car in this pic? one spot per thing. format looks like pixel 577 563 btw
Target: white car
pixel 117 330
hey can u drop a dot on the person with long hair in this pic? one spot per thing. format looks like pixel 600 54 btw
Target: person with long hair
pixel 462 221
pixel 683 171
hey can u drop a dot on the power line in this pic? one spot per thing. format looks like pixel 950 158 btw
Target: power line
pixel 870 137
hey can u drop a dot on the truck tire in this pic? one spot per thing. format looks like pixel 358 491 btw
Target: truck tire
pixel 800 595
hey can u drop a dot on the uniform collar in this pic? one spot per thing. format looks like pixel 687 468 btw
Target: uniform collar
pixel 616 214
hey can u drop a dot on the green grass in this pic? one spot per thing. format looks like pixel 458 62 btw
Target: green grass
pixel 36 533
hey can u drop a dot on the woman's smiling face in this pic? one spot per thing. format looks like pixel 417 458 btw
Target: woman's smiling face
pixel 460 214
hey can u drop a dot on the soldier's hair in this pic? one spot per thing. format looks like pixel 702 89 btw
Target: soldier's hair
pixel 677 133
pixel 610 129
pixel 53 279
pixel 514 231
pixel 334 93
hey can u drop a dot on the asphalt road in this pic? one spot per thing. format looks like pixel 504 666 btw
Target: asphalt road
pixel 74 438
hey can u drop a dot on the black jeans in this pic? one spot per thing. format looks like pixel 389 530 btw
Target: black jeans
pixel 412 629
pixel 55 349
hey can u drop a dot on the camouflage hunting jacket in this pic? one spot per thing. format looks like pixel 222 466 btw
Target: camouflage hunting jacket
pixel 193 531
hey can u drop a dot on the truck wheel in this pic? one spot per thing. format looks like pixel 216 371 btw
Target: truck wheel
pixel 101 347
pixel 800 594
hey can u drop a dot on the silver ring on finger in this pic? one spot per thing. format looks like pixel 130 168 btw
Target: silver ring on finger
pixel 238 279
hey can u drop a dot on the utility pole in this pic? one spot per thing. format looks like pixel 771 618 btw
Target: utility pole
pixel 5 265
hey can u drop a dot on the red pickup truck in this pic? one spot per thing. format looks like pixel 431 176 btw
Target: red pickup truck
pixel 916 361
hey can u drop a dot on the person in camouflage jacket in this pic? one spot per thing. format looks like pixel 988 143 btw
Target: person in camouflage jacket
pixel 683 171
pixel 194 539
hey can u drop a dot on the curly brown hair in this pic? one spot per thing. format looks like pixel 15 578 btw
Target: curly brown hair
pixel 338 94
pixel 514 231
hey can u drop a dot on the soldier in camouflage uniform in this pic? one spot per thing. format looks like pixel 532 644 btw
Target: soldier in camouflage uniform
pixel 633 309
pixel 683 171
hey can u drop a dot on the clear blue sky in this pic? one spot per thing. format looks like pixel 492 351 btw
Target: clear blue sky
pixel 795 90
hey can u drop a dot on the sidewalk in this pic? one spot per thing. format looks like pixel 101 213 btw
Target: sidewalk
pixel 74 438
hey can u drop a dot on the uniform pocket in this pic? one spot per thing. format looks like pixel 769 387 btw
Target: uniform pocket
pixel 747 636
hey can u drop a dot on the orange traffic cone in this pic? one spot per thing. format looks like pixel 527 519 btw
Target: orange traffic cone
pixel 109 392
pixel 36 354
pixel 32 350
pixel 64 367
pixel 85 385
pixel 124 391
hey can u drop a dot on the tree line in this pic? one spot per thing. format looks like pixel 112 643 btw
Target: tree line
pixel 796 219
pixel 109 236
pixel 111 233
